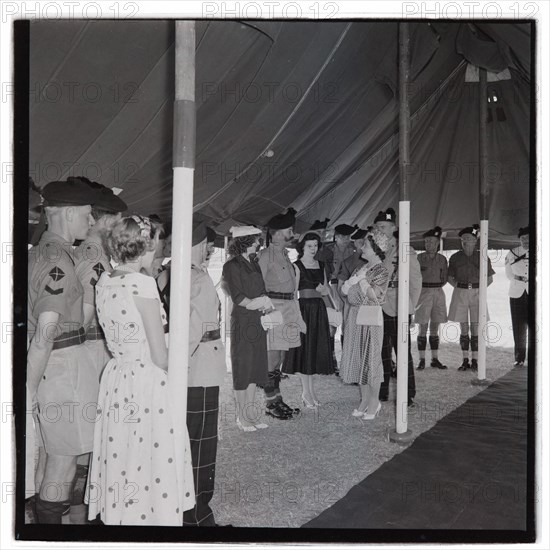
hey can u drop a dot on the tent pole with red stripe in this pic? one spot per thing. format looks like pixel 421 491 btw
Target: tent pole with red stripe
pixel 481 379
pixel 402 434
pixel 183 162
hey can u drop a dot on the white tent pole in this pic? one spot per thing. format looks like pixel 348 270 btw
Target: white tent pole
pixel 182 228
pixel 482 341
pixel 484 233
pixel 402 435
pixel 223 319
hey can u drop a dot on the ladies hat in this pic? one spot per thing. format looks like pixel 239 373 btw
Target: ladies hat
pixel 244 230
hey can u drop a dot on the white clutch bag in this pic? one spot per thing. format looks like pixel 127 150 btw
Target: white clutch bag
pixel 334 317
pixel 272 319
pixel 370 316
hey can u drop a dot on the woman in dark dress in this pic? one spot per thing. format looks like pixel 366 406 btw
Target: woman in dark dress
pixel 242 280
pixel 314 356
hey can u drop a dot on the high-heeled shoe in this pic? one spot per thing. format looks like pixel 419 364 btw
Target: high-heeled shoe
pixel 368 416
pixel 307 404
pixel 357 412
pixel 245 428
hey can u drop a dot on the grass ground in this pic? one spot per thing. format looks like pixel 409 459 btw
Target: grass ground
pixel 289 473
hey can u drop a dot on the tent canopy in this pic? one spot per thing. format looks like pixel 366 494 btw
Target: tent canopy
pixel 297 113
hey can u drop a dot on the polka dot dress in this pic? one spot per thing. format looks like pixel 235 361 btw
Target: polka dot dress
pixel 134 474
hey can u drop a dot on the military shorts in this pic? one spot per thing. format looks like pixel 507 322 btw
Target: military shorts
pixel 465 301
pixel 99 354
pixel 286 336
pixel 431 307
pixel 67 402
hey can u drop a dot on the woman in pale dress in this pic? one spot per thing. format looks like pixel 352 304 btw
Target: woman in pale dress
pixel 362 351
pixel 136 476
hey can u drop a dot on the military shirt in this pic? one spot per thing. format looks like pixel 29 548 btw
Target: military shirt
pixel 465 269
pixel 53 285
pixel 91 262
pixel 517 265
pixel 333 257
pixel 434 270
pixel 206 366
pixel 277 270
pixel 349 265
pixel 391 262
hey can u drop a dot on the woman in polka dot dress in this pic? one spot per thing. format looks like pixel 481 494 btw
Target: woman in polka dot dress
pixel 133 476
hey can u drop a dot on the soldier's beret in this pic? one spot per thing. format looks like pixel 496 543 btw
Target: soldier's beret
pixel 199 231
pixel 359 234
pixel 317 224
pixel 387 216
pixel 210 235
pixel 73 192
pixel 472 230
pixel 435 232
pixel 345 229
pixel 523 231
pixel 284 220
pixel 105 199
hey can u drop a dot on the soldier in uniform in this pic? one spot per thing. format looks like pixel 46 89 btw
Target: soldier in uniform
pixel 432 308
pixel 60 375
pixel 517 271
pixel 348 266
pixel 280 284
pixel 463 275
pixel 207 370
pixel 385 222
pixel 333 255
pixel 91 262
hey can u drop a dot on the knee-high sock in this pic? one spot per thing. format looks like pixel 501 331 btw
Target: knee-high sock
pixel 434 342
pixel 421 343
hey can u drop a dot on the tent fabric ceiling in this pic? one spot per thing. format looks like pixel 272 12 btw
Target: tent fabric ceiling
pixel 322 97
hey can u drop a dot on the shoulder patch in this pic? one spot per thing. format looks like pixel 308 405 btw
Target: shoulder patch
pixel 99 269
pixel 57 274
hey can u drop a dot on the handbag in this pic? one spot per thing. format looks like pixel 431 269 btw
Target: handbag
pixel 334 317
pixel 370 315
pixel 272 319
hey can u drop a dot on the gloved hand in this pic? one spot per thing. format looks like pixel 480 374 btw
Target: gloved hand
pixel 262 302
pixel 353 280
pixel 322 289
pixel 364 285
pixel 271 320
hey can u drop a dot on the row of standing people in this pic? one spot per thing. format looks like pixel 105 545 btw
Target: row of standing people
pixel 429 272
pixel 103 368
pixel 65 286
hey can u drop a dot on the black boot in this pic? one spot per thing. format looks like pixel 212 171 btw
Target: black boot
pixel 288 409
pixel 421 364
pixel 465 365
pixel 276 411
pixel 474 365
pixel 436 364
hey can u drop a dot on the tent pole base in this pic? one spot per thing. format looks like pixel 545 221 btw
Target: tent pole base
pixel 401 439
pixel 481 382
